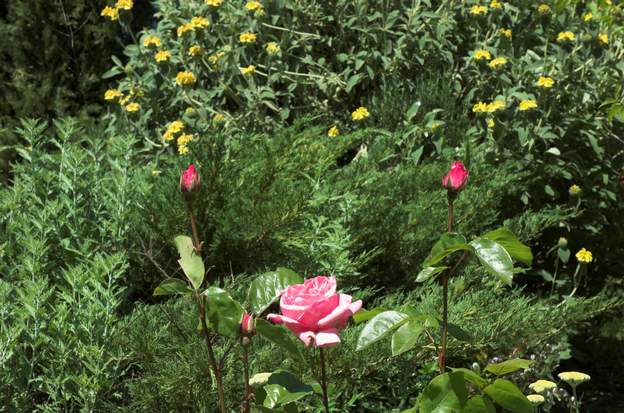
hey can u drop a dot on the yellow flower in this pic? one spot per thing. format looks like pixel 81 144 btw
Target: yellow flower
pixel 574 190
pixel 505 32
pixel 183 150
pixel 162 56
pixel 476 10
pixel 195 50
pixel 214 3
pixel 151 40
pixel 175 127
pixel 585 257
pixel 482 54
pixel 527 105
pixel 543 8
pixel 565 36
pixel 252 5
pixel 574 378
pixel 200 22
pixel 184 139
pixel 495 105
pixel 214 59
pixel 110 12
pixel 218 118
pixel 272 48
pixel 541 386
pixel 112 94
pixel 168 136
pixel 187 27
pixel 360 113
pixel 125 100
pixel 189 110
pixel 185 78
pixel 249 70
pixel 490 123
pixel 499 61
pixel 588 17
pixel 495 4
pixel 333 131
pixel 132 107
pixel 479 107
pixel 247 37
pixel 604 38
pixel 536 399
pixel 545 82
pixel 124 4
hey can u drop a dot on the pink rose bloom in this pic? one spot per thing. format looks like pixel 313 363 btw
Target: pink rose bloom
pixel 456 178
pixel 247 327
pixel 189 181
pixel 314 312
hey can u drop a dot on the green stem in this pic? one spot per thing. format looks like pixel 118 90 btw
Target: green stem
pixel 324 381
pixel 245 344
pixel 445 281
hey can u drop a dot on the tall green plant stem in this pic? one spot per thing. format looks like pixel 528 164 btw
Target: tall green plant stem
pixel 201 305
pixel 324 381
pixel 245 344
pixel 445 279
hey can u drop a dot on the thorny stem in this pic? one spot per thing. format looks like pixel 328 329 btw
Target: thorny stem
pixel 324 381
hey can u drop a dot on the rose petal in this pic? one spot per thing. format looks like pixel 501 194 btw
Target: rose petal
pixel 339 316
pixel 292 325
pixel 327 338
pixel 317 311
pixel 307 337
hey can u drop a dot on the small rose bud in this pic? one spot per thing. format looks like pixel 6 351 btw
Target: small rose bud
pixel 456 179
pixel 190 181
pixel 248 325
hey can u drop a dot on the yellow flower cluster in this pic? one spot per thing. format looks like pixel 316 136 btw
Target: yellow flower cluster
pixel 194 50
pixel 574 190
pixel 588 17
pixel 495 4
pixel 247 37
pixel 482 107
pixel 604 38
pixel 333 131
pixel 151 40
pixel 183 141
pixel 360 113
pixel 214 3
pixel 110 12
pixel 536 399
pixel 132 107
pixel 124 4
pixel 491 123
pixel 112 94
pixel 481 54
pixel 174 127
pixel 185 78
pixel 214 58
pixel 218 118
pixel 527 104
pixel 540 386
pixel 476 10
pixel 565 36
pixel 162 56
pixel 505 32
pixel 272 48
pixel 584 256
pixel 249 70
pixel 574 378
pixel 196 22
pixel 545 82
pixel 543 8
pixel 255 6
pixel 499 61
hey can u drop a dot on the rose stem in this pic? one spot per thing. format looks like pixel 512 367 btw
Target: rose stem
pixel 445 280
pixel 202 318
pixel 324 381
pixel 245 346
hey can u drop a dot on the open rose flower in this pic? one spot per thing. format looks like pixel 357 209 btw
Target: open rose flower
pixel 315 312
pixel 456 178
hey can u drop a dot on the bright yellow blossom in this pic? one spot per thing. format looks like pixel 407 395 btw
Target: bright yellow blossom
pixel 574 190
pixel 168 136
pixel 360 113
pixel 565 36
pixel 194 50
pixel 588 17
pixel 272 48
pixel 604 38
pixel 536 399
pixel 186 27
pixel 218 118
pixel 184 139
pixel 214 3
pixel 176 126
pixel 162 56
pixel 185 78
pixel 253 5
pixel 247 37
pixel 482 54
pixel 110 12
pixel 527 105
pixel 112 94
pixel 183 150
pixel 545 82
pixel 249 70
pixel 495 4
pixel 200 22
pixel 479 107
pixel 584 256
pixel 333 131
pixel 476 10
pixel 540 386
pixel 132 107
pixel 499 61
pixel 214 59
pixel 151 40
pixel 543 8
pixel 491 123
pixel 124 4
pixel 505 32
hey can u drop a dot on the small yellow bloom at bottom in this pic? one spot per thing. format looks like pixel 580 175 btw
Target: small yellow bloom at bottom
pixel 574 378
pixel 603 38
pixel 527 105
pixel 491 123
pixel 536 399
pixel 183 150
pixel 360 113
pixel 132 107
pixel 584 256
pixel 333 131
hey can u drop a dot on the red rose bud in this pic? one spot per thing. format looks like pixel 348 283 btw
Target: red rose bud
pixel 189 181
pixel 456 178
pixel 248 325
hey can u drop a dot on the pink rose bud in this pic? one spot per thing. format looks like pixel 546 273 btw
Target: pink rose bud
pixel 314 312
pixel 456 178
pixel 248 325
pixel 190 181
